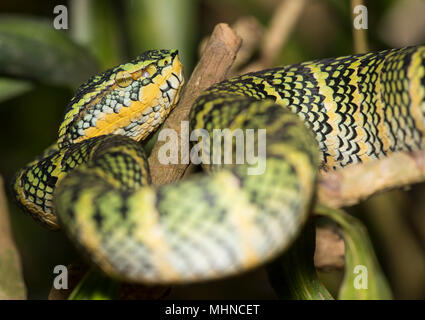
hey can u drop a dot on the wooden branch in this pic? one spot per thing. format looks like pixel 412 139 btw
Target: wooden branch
pixel 215 62
pixel 12 284
pixel 251 31
pixel 277 34
pixel 330 249
pixel 352 184
pixel 281 25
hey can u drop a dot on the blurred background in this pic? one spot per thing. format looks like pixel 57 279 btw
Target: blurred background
pixel 40 68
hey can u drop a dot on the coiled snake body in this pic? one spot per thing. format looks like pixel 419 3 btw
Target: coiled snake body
pixel 323 114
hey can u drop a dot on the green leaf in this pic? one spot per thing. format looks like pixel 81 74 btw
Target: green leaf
pixel 293 274
pixel 96 24
pixel 10 88
pixel 95 286
pixel 163 24
pixel 363 279
pixel 32 49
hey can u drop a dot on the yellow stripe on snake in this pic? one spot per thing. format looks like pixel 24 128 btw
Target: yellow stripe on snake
pixel 323 114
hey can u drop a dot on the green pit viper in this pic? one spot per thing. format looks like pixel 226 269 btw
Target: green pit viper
pixel 320 115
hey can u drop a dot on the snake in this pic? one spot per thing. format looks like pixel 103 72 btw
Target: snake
pixel 94 181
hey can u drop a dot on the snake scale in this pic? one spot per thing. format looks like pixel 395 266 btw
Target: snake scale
pixel 320 115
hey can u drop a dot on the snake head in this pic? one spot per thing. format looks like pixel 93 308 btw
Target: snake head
pixel 131 99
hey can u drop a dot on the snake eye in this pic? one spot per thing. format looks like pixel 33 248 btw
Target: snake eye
pixel 165 62
pixel 123 79
pixel 142 73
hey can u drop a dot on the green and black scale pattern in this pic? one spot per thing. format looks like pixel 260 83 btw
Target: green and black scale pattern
pixel 324 114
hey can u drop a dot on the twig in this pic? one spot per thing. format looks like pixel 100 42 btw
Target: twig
pixel 250 30
pixel 215 62
pixel 359 35
pixel 281 26
pixel 12 284
pixel 330 249
pixel 352 184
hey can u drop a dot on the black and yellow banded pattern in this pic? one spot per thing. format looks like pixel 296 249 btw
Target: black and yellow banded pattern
pixel 359 107
pixel 324 114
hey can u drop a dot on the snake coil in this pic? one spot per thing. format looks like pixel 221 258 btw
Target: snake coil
pixel 324 114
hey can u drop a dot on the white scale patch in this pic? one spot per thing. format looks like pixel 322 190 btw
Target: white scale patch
pixel 110 103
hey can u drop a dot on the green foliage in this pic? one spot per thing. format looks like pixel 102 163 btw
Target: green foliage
pixel 293 275
pixel 163 24
pixel 95 286
pixel 96 25
pixel 10 88
pixel 31 49
pixel 359 252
